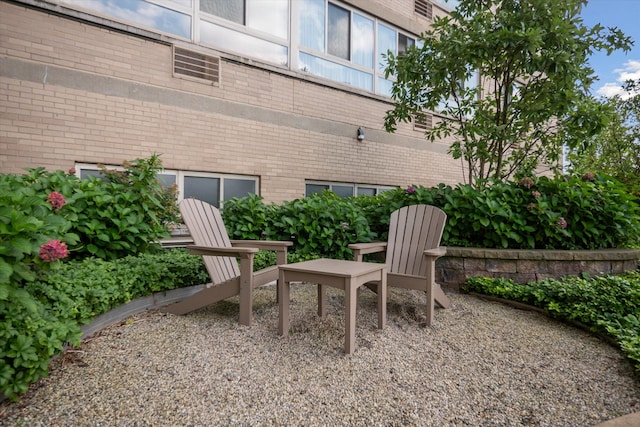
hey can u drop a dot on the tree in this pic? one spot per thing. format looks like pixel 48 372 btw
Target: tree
pixel 533 92
pixel 616 150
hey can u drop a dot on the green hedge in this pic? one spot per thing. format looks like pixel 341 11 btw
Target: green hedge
pixel 589 212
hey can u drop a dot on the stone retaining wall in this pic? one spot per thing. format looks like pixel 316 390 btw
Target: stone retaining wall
pixel 529 265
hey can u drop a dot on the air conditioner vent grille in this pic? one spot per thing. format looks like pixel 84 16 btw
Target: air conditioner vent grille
pixel 197 65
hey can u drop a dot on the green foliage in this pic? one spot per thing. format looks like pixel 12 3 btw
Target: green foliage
pixel 124 213
pixel 27 221
pixel 38 319
pixel 248 218
pixel 591 212
pixel 534 82
pixel 30 334
pixel 323 224
pixel 615 151
pixel 609 304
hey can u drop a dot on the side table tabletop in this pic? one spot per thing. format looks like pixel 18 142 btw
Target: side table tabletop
pixel 341 274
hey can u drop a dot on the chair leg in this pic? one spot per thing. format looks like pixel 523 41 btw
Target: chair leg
pixel 430 305
pixel 246 289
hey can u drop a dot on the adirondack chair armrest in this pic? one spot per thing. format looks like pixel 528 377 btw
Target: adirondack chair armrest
pixel 436 252
pixel 215 251
pixel 360 249
pixel 267 245
pixel 280 247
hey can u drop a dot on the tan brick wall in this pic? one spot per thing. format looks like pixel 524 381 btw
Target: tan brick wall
pixel 93 95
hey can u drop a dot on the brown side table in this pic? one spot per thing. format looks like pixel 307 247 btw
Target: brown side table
pixel 341 274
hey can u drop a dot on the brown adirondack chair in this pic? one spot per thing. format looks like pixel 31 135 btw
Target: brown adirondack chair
pixel 220 257
pixel 412 248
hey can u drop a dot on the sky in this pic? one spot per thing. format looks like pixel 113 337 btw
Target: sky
pixel 615 69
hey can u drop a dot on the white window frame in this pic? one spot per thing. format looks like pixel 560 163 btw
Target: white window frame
pixel 378 188
pixel 180 175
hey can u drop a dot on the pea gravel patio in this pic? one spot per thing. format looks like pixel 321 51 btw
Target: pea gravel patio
pixel 481 364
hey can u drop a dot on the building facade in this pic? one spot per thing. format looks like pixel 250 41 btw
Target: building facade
pixel 237 96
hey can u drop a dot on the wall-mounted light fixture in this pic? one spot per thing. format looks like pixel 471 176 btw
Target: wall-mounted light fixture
pixel 360 134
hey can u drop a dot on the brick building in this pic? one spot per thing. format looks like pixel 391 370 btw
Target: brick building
pixel 237 96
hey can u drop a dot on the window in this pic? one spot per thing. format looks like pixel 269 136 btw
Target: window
pixel 211 188
pixel 344 189
pixel 349 40
pixel 168 16
pixel 450 4
pixel 389 40
pixel 333 39
pixel 268 16
pixel 338 32
pixel 257 28
pixel 471 83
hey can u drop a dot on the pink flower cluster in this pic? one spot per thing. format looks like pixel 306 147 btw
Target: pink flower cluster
pixel 561 223
pixel 56 199
pixel 411 189
pixel 53 250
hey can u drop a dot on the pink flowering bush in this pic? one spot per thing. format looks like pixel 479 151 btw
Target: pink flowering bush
pixel 56 200
pixel 53 250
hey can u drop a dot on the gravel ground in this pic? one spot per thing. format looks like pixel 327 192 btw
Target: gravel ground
pixel 481 364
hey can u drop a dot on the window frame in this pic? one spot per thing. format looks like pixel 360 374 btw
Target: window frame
pixel 356 186
pixel 179 178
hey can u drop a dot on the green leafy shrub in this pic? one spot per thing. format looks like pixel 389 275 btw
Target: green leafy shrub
pixel 27 221
pixel 323 224
pixel 124 213
pixel 608 304
pixel 248 218
pixel 30 334
pixel 320 225
pixel 589 212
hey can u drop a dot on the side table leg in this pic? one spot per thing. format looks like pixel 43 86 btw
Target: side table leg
pixel 351 298
pixel 283 304
pixel 322 300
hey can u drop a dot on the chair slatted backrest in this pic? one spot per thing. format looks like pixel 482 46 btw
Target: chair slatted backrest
pixel 412 230
pixel 207 229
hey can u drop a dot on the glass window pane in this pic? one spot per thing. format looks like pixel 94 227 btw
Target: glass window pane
pixel 312 17
pixel 231 10
pixel 270 16
pixel 386 42
pixel 183 3
pixel 404 43
pixel 234 187
pixel 343 190
pixel 243 44
pixel 337 72
pixel 202 188
pixel 166 180
pixel 338 32
pixel 363 41
pixel 86 173
pixel 384 86
pixel 451 4
pixel 314 188
pixel 140 12
pixel 366 191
